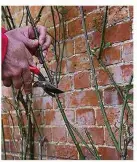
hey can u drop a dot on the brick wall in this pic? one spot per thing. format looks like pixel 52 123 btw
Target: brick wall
pixel 79 100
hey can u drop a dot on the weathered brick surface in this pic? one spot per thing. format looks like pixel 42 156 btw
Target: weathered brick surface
pixel 55 118
pixel 85 117
pixel 80 101
pixel 66 152
pixel 87 9
pixel 119 33
pixel 77 63
pixel 113 115
pixel 117 14
pixel 82 98
pixel 94 21
pixel 82 80
pixel 65 83
pixel 80 46
pixel 71 12
pixel 111 55
pixel 127 53
pixel 96 133
pixel 59 134
pixel 75 28
pixel 127 71
pixel 109 153
pixel 111 97
pixel 131 11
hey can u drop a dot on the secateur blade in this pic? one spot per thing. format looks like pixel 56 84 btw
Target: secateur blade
pixel 43 83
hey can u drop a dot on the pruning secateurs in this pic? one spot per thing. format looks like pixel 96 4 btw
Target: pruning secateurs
pixel 43 83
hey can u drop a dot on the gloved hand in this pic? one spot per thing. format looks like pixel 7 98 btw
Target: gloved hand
pixel 21 46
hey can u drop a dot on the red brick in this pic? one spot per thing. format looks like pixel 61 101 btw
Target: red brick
pixel 49 19
pixel 9 157
pixel 51 150
pixel 49 117
pixel 55 118
pixel 78 63
pixel 60 32
pixel 6 146
pixel 13 120
pixel 111 55
pixel 75 28
pixel 48 134
pixel 24 118
pixel 85 117
pixel 37 103
pixel 34 10
pixel 65 83
pixel 7 133
pixel 87 9
pixel 111 97
pixel 95 62
pixel 118 33
pixel 116 74
pixel 47 102
pixel 17 134
pixel 39 117
pixel 59 134
pixel 108 140
pixel 94 21
pixel 62 100
pixel 127 71
pixel 15 9
pixel 69 48
pixel 50 55
pixel 131 11
pixel 96 38
pixel 113 115
pixel 82 98
pixel 97 135
pixel 14 148
pixel 117 14
pixel 5 119
pixel 82 80
pixel 71 12
pixel 36 149
pixel 127 53
pixel 52 66
pixel 108 153
pixel 80 45
pixel 129 154
pixel 66 152
pixel 102 77
pixel 67 51
pixel 87 154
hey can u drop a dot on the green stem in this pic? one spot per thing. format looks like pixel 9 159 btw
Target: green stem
pixel 12 22
pixel 92 144
pixel 116 86
pixel 96 84
pixel 122 113
pixel 103 33
pixel 55 31
pixel 6 17
pixel 62 52
pixel 39 15
pixel 3 139
pixel 23 14
pixel 51 80
pixel 82 157
pixel 84 142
